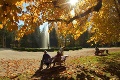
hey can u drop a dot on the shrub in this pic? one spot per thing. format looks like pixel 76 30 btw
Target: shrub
pixel 42 50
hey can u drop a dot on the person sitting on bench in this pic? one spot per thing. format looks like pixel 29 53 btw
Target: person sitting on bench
pixel 96 51
pixel 61 50
pixel 46 59
pixel 57 58
pixel 101 52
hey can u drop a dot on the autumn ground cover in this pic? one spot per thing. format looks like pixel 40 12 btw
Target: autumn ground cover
pixel 76 68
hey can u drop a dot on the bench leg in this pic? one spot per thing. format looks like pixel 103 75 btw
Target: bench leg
pixel 53 64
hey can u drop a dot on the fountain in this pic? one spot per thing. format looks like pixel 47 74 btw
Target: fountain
pixel 45 37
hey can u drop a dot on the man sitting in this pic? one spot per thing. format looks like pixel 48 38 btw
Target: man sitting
pixel 97 51
pixel 46 59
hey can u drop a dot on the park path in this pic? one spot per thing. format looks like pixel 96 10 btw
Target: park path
pixel 12 54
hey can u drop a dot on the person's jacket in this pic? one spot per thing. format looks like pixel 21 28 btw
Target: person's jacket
pixel 46 58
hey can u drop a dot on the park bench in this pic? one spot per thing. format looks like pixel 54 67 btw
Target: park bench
pixel 59 61
pixel 101 52
pixel 54 61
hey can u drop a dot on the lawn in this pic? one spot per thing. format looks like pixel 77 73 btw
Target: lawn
pixel 76 68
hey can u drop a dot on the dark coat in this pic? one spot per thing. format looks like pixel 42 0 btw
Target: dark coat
pixel 46 58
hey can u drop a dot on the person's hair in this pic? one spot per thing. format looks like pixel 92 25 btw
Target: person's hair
pixel 58 52
pixel 45 51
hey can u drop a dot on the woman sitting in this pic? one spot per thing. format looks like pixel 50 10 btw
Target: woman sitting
pixel 57 58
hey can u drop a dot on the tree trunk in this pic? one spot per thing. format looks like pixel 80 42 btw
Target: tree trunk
pixel 4 41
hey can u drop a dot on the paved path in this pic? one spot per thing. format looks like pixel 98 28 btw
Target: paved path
pixel 11 54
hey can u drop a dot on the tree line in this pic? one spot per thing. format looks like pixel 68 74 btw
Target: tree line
pixel 33 40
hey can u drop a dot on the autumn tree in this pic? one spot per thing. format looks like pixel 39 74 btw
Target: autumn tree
pixel 105 23
pixel 74 19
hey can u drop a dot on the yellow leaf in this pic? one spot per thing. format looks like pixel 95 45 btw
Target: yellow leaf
pixel 1 26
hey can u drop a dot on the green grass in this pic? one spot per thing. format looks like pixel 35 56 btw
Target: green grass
pixel 103 66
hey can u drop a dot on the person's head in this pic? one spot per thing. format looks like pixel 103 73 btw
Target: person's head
pixel 63 47
pixel 45 51
pixel 58 52
pixel 96 47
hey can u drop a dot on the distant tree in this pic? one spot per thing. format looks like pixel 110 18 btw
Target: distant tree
pixel 32 40
pixel 6 38
pixel 53 38
pixel 35 38
pixel 83 39
pixel 10 37
pixel 25 42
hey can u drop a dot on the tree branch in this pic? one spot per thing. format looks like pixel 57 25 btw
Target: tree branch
pixel 97 7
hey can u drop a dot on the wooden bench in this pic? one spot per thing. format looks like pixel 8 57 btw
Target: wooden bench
pixel 101 52
pixel 54 61
pixel 59 61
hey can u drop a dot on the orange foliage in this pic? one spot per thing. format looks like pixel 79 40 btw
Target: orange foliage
pixel 58 11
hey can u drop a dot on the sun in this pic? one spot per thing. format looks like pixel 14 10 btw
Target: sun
pixel 73 2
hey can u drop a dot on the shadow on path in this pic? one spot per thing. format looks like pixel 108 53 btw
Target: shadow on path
pixel 48 74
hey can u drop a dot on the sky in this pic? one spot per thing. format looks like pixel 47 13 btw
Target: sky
pixel 22 22
pixel 24 9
